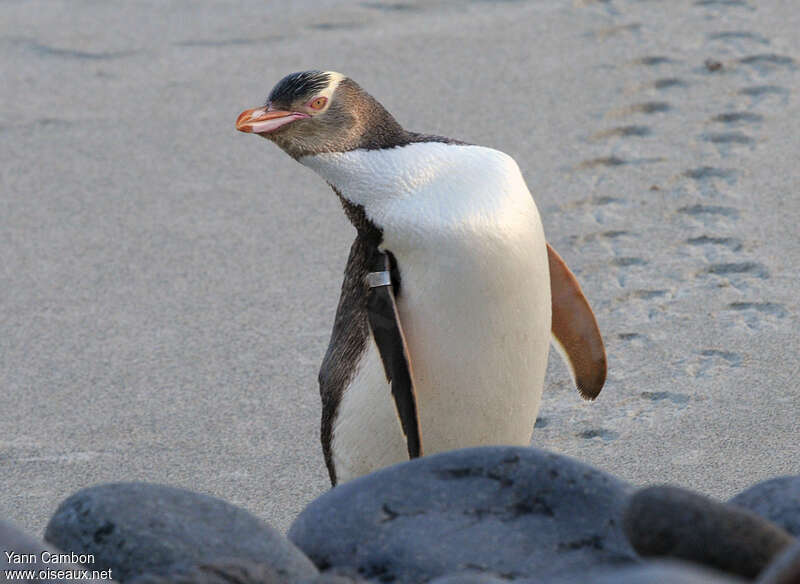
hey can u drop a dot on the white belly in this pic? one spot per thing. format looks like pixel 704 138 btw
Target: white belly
pixel 474 303
pixel 367 434
pixel 477 322
pixel 478 329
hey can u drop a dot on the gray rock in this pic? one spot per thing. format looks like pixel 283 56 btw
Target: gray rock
pixel 678 523
pixel 333 578
pixel 785 569
pixel 230 572
pixel 467 578
pixel 19 551
pixel 664 572
pixel 141 528
pixel 344 575
pixel 326 578
pixel 777 499
pixel 244 572
pixel 509 512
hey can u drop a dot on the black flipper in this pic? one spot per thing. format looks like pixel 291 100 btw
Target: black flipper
pixel 384 321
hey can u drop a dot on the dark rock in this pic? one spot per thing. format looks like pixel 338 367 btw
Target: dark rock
pixel 468 578
pixel 345 575
pixel 140 528
pixel 664 572
pixel 19 551
pixel 244 572
pixel 508 512
pixel 332 578
pixel 231 572
pixel 777 499
pixel 678 523
pixel 785 569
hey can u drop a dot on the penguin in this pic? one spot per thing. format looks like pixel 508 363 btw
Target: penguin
pixel 451 293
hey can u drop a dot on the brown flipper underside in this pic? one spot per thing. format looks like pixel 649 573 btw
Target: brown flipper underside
pixel 575 329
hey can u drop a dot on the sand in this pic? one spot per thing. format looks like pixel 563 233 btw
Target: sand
pixel 167 284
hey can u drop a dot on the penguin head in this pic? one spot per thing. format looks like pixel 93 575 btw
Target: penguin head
pixel 311 112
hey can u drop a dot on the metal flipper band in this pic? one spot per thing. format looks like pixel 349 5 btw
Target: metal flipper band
pixel 375 279
pixel 384 322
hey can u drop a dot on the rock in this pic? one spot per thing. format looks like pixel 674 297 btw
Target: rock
pixel 508 512
pixel 333 578
pixel 468 578
pixel 337 576
pixel 19 551
pixel 785 569
pixel 141 528
pixel 243 572
pixel 664 572
pixel 678 523
pixel 777 499
pixel 231 572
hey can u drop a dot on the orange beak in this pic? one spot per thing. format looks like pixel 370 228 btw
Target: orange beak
pixel 262 121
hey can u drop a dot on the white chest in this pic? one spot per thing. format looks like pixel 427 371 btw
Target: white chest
pixel 474 301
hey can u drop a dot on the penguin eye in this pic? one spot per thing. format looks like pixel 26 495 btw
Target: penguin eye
pixel 318 103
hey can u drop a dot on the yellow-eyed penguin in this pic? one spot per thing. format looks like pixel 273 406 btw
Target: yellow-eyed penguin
pixel 450 292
